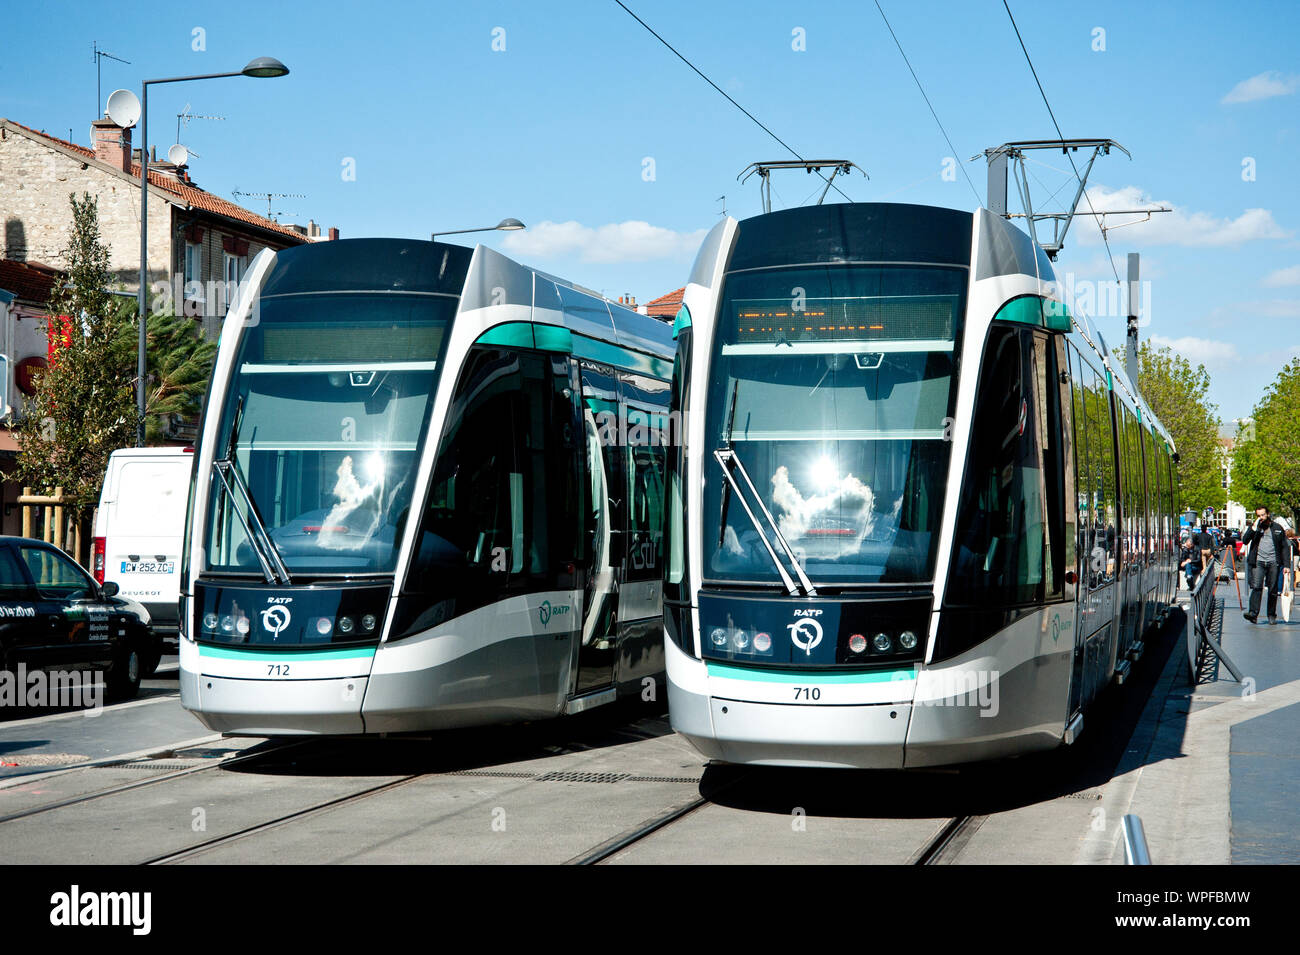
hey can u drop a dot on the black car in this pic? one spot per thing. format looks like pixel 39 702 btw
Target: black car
pixel 55 617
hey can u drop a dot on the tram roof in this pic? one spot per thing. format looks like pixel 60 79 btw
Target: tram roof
pixel 480 276
pixel 495 279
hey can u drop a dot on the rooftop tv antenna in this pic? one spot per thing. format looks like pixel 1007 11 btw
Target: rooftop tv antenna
pixel 184 117
pixel 998 158
pixel 268 196
pixel 810 166
pixel 99 58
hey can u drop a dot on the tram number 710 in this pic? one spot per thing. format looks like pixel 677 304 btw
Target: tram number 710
pixel 807 693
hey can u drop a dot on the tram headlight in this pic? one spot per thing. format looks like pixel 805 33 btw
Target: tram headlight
pixel 882 642
pixel 857 643
pixel 368 622
pixel 227 624
pixel 210 621
pixel 740 640
pixel 346 624
pixel 324 626
pixel 907 640
pixel 719 637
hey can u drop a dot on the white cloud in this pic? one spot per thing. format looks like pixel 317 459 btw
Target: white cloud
pixel 1282 277
pixel 1179 227
pixel 631 241
pixel 1267 84
pixel 1199 351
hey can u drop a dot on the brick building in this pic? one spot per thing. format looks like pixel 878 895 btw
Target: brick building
pixel 198 242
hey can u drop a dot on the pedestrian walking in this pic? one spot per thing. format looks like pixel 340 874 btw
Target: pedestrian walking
pixel 1267 561
pixel 1189 562
pixel 1204 541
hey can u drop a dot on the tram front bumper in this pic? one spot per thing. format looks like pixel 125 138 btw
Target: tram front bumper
pixel 768 732
pixel 230 693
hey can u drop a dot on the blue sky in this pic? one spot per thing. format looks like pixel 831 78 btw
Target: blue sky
pixel 446 132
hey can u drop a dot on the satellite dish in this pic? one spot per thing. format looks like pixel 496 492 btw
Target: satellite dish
pixel 178 155
pixel 123 108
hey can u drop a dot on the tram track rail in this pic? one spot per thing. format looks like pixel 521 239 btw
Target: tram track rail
pixel 239 759
pixel 189 852
pixel 947 844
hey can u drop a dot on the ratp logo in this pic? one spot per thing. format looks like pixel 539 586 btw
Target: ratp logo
pixel 275 619
pixel 546 611
pixel 805 634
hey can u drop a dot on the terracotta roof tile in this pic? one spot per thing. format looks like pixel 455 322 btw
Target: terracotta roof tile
pixel 28 281
pixel 190 194
pixel 666 306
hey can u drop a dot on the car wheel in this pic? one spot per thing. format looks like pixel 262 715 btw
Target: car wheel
pixel 124 681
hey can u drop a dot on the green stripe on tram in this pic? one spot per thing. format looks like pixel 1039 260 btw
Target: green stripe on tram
pixel 528 335
pixel 222 653
pixel 809 676
pixel 554 338
pixel 1037 311
pixel 610 354
pixel 682 321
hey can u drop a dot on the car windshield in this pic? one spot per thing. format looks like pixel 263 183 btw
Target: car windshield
pixel 832 386
pixel 325 417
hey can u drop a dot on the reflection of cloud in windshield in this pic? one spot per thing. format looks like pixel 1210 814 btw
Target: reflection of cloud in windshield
pixel 351 495
pixel 842 517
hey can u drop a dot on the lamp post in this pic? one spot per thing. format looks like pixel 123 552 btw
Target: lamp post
pixel 262 66
pixel 505 225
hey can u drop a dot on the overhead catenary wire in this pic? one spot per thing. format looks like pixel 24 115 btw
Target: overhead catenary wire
pixel 1061 136
pixel 698 72
pixel 978 200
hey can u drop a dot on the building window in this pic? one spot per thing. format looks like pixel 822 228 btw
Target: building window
pixel 234 272
pixel 193 288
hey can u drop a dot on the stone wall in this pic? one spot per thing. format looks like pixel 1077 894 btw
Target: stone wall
pixel 35 182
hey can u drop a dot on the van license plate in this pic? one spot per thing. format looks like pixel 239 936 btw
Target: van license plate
pixel 148 566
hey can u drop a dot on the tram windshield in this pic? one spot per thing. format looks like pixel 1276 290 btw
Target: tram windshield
pixel 832 386
pixel 323 423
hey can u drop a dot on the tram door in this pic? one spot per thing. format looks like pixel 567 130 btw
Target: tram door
pixel 645 459
pixel 604 527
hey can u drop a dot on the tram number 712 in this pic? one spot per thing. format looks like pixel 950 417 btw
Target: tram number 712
pixel 807 693
pixel 277 669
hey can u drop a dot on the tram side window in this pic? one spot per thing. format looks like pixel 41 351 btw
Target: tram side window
pixel 499 482
pixel 1007 548
pixel 1101 527
pixel 1131 479
pixel 1153 496
pixel 1083 485
pixel 675 502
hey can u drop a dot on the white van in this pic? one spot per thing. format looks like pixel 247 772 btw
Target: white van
pixel 140 528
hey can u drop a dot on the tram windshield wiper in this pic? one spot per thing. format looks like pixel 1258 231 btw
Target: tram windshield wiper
pixel 727 459
pixel 232 481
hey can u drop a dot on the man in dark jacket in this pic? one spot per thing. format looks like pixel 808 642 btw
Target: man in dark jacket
pixel 1268 558
pixel 1204 542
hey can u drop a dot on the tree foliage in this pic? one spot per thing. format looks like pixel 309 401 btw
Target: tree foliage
pixel 84 405
pixel 1179 396
pixel 1266 460
pixel 180 365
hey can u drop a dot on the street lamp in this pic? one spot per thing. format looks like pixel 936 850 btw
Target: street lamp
pixel 505 225
pixel 262 66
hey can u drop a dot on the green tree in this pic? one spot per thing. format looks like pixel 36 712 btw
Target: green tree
pixel 180 366
pixel 1266 460
pixel 1178 394
pixel 84 405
